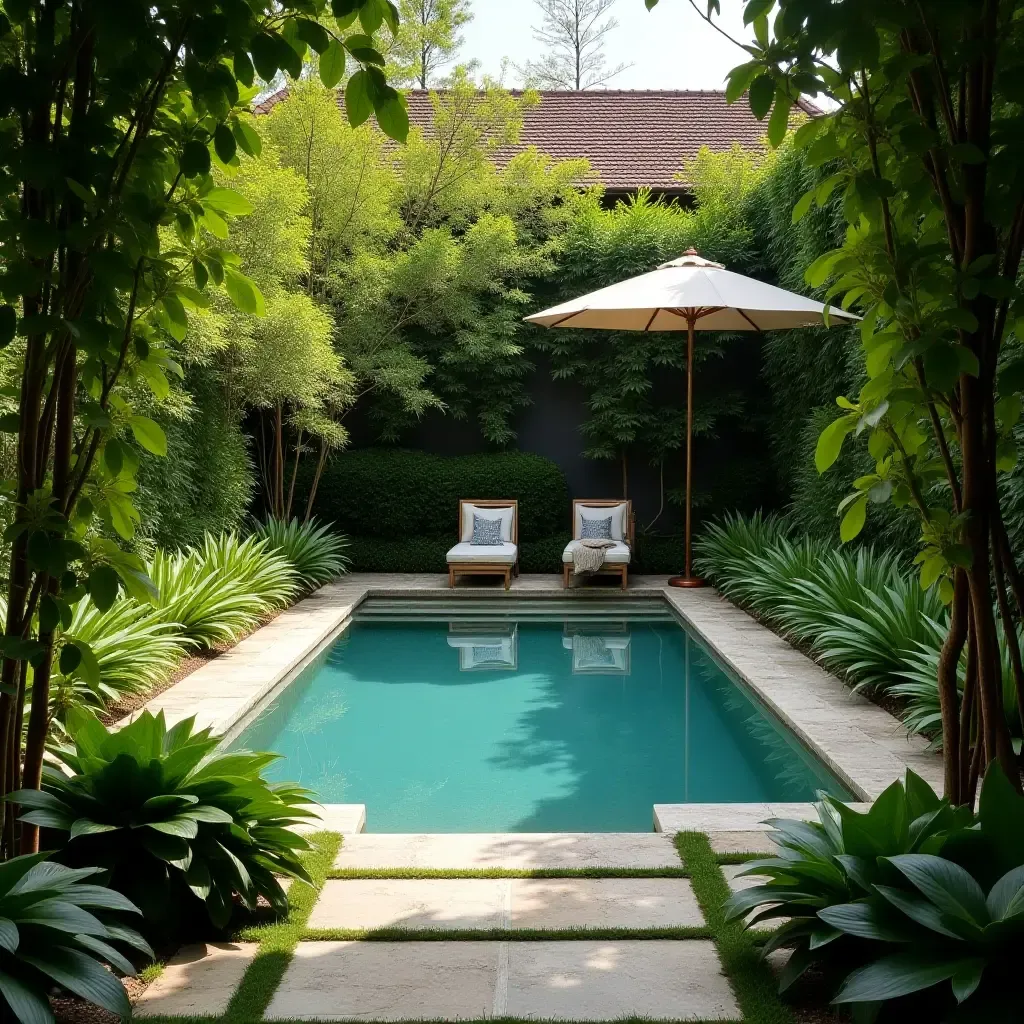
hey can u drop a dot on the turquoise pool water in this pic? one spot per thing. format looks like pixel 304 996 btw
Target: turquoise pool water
pixel 530 725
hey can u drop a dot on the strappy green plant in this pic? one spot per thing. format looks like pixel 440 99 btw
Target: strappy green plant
pixel 917 897
pixel 59 928
pixel 315 551
pixel 222 588
pixel 181 830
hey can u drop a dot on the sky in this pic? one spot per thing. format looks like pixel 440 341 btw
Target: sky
pixel 669 47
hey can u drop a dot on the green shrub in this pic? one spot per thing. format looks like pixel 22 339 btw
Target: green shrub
pixel 180 830
pixel 919 897
pixel 58 929
pixel 396 494
pixel 222 588
pixel 316 553
pixel 861 612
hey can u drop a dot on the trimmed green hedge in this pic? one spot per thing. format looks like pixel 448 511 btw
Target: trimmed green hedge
pixel 653 555
pixel 404 496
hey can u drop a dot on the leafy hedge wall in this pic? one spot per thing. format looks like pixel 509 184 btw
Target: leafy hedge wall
pixel 400 509
pixel 656 555
pixel 401 495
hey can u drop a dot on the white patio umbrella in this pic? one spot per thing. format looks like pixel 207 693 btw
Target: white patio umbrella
pixel 691 294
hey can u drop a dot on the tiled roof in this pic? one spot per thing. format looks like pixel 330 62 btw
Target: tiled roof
pixel 631 138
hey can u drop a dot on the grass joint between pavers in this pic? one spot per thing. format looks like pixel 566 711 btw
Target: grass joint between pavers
pixel 349 874
pixel 278 939
pixel 738 949
pixel 682 932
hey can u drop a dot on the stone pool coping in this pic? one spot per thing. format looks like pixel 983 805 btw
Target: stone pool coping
pixel 862 745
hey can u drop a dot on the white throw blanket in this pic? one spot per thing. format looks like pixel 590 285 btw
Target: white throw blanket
pixel 588 555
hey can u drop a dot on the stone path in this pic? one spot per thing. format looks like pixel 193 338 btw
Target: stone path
pixel 620 945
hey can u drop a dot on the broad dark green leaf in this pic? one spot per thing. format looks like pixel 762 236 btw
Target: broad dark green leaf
pixel 195 159
pixel 761 93
pixel 332 64
pixel 899 975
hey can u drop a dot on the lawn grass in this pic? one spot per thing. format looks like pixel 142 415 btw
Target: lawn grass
pixel 499 934
pixel 336 874
pixel 752 980
pixel 278 939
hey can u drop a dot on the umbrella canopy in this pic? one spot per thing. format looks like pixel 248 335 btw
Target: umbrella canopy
pixel 666 299
pixel 691 294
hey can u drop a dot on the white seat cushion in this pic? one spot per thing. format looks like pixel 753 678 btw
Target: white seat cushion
pixel 485 554
pixel 615 555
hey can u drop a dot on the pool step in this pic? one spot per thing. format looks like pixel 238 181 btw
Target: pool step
pixel 509 850
pixel 589 605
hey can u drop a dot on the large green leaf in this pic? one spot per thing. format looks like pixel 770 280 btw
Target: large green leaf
pixel 28 1004
pixel 924 912
pixel 1001 813
pixel 899 975
pixel 866 920
pixel 107 952
pixel 81 974
pixel 947 885
pixel 332 64
pixel 1006 898
pixel 63 916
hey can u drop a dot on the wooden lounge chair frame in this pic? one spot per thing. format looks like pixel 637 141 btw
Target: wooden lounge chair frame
pixel 487 568
pixel 629 536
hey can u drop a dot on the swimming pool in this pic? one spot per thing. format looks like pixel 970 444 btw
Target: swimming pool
pixel 569 719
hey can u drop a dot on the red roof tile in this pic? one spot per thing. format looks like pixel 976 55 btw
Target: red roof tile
pixel 631 138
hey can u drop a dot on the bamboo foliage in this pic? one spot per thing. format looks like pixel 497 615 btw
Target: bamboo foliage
pixel 115 112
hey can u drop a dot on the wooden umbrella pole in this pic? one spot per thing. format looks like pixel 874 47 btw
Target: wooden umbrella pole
pixel 688 579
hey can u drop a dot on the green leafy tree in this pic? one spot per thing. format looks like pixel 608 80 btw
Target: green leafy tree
pixel 424 256
pixel 114 114
pixel 631 411
pixel 427 41
pixel 922 144
pixel 282 363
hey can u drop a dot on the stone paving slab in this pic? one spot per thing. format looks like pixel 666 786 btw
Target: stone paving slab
pixel 588 980
pixel 343 818
pixel 511 851
pixel 507 903
pixel 412 903
pixel 604 903
pixel 864 746
pixel 712 818
pixel 388 981
pixel 741 842
pixel 198 981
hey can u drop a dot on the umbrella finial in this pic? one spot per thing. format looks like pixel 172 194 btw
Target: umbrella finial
pixel 691 258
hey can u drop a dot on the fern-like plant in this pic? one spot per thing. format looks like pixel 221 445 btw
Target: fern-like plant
pixel 315 551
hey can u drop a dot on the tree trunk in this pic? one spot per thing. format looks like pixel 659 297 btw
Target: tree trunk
pixel 949 699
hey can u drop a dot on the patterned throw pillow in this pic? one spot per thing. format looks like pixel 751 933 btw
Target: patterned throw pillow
pixel 487 532
pixel 596 529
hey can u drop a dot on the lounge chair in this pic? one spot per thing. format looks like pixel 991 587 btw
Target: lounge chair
pixel 498 559
pixel 616 558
